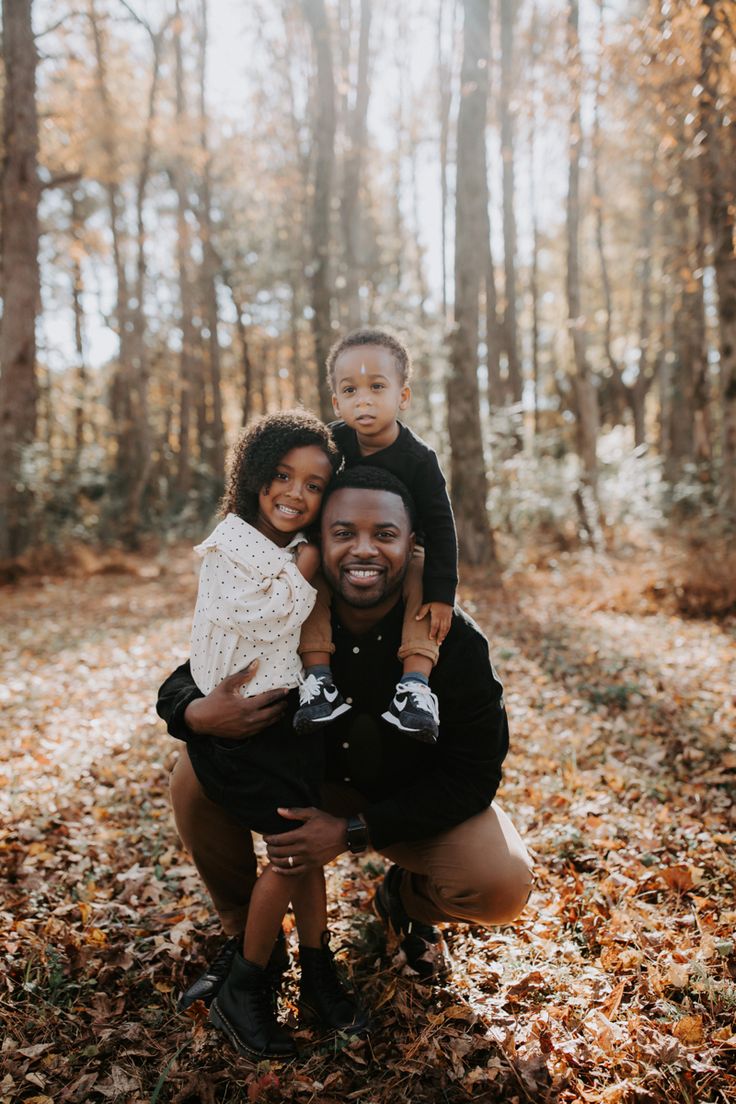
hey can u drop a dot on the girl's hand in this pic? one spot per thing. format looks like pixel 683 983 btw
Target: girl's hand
pixel 307 557
pixel 440 614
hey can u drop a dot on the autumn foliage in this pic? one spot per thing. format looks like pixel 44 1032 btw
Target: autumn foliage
pixel 618 984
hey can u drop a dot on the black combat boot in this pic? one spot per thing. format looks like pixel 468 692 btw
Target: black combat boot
pixel 322 995
pixel 208 984
pixel 244 1009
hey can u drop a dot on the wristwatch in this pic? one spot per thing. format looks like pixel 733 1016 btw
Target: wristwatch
pixel 357 835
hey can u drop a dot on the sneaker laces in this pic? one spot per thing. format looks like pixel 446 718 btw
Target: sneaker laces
pixel 421 696
pixel 309 689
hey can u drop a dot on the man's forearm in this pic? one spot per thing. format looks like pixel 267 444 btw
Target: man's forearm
pixel 175 695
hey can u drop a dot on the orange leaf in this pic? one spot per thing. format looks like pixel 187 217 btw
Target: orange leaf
pixel 689 1030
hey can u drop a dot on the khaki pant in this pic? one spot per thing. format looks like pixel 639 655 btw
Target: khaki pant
pixel 316 635
pixel 478 872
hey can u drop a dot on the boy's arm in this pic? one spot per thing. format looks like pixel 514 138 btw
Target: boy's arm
pixel 438 525
pixel 307 559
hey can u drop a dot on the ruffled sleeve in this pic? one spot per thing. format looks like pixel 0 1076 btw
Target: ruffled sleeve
pixel 249 585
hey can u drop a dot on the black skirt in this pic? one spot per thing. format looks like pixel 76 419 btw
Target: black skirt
pixel 253 777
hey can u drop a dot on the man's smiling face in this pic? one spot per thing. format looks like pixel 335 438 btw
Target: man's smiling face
pixel 367 543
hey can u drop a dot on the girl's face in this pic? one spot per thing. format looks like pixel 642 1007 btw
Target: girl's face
pixel 293 498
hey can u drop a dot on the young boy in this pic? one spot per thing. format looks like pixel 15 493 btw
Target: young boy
pixel 369 374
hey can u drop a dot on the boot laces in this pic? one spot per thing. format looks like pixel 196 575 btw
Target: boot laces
pixel 222 961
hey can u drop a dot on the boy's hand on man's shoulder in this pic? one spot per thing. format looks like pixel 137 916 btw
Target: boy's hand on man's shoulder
pixel 440 619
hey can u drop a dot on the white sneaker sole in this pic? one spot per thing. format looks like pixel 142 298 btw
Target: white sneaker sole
pixel 426 735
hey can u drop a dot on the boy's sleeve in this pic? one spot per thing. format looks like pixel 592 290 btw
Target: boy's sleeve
pixel 438 528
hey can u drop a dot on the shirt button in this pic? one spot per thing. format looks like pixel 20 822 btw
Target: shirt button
pixel 346 779
pixel 349 701
pixel 345 744
pixel 379 638
pixel 356 649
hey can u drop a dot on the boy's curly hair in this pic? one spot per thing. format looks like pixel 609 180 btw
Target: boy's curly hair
pixel 385 340
pixel 260 447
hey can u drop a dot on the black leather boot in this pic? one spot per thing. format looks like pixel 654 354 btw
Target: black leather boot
pixel 244 1010
pixel 322 995
pixel 208 984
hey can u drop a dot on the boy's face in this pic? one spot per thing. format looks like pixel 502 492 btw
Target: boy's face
pixel 368 392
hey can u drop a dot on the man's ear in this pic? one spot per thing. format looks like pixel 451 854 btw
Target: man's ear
pixel 412 542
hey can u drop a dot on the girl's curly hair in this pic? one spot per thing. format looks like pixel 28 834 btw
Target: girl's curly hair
pixel 260 447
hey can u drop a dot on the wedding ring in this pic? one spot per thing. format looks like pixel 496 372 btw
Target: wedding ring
pixel 290 860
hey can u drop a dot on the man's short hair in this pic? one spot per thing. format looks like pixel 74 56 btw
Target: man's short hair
pixel 363 477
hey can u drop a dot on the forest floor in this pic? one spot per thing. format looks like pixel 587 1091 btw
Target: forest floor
pixel 618 984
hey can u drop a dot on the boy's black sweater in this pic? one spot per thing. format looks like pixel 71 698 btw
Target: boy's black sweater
pixel 412 461
pixel 412 790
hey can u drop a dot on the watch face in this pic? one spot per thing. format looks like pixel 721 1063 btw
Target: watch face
pixel 357 836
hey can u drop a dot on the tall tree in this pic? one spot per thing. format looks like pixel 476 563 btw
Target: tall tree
pixel 510 326
pixel 190 400
pixel 210 263
pixel 19 282
pixel 468 470
pixel 586 398
pixel 323 99
pixel 352 170
pixel 719 171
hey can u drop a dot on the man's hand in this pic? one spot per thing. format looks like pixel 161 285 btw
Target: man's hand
pixel 307 558
pixel 226 713
pixel 319 840
pixel 440 614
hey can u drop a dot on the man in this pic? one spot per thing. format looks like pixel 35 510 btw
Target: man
pixel 426 807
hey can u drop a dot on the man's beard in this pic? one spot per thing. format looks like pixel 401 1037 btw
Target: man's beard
pixel 359 600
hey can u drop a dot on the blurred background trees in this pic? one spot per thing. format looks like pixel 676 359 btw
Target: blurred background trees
pixel 184 235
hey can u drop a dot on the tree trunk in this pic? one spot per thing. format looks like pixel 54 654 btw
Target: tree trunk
pixel 468 471
pixel 352 174
pixel 444 80
pixel 719 148
pixel 20 278
pixel 585 391
pixel 80 389
pixel 645 375
pixel 511 340
pixel 246 363
pixel 688 333
pixel 534 266
pixel 138 349
pixel 210 266
pixel 189 396
pixel 323 97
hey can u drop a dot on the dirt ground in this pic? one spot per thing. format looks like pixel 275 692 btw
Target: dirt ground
pixel 618 984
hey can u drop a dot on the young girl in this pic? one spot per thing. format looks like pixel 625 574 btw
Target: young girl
pixel 254 593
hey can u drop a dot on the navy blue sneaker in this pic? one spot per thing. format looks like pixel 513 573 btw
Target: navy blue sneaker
pixel 320 702
pixel 415 710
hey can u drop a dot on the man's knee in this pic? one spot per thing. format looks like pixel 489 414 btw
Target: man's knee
pixel 492 896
